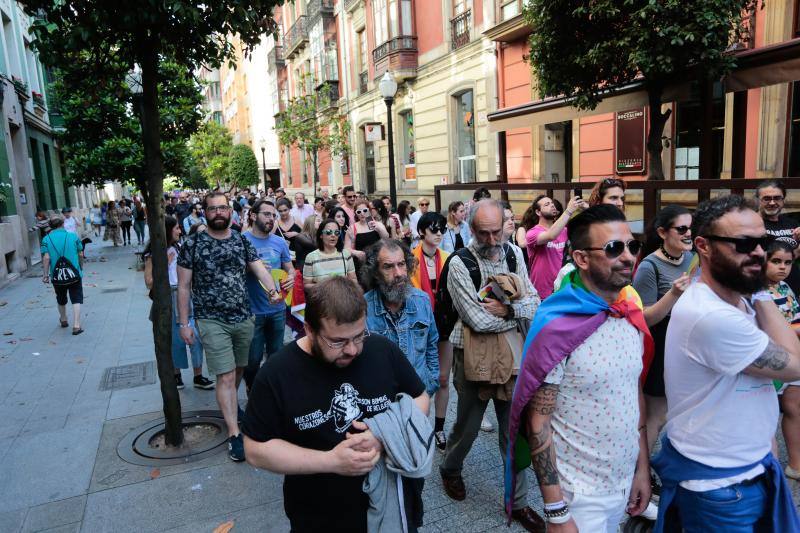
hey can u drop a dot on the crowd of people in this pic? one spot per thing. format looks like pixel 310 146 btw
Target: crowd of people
pixel 630 377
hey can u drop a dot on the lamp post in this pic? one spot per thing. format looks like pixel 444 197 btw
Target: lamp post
pixel 388 88
pixel 263 144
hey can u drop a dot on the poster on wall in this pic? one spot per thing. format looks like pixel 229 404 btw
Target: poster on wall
pixel 630 126
pixel 373 132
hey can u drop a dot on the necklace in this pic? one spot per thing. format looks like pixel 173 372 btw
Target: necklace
pixel 670 257
pixel 429 256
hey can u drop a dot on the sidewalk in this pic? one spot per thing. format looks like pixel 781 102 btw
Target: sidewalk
pixel 59 468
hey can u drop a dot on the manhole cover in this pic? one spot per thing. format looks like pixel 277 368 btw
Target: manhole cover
pixel 205 433
pixel 114 289
pixel 128 376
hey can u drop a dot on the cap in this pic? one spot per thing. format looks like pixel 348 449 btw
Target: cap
pixel 67 210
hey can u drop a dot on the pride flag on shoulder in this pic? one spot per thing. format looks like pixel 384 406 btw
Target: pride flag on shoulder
pixel 562 323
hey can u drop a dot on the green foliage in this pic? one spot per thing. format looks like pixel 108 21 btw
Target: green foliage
pixel 243 166
pixel 211 149
pixel 102 138
pixel 310 122
pixel 579 49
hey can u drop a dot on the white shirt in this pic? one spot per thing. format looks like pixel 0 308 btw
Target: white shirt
pixel 301 214
pixel 413 220
pixel 172 266
pixel 717 415
pixel 71 225
pixel 595 424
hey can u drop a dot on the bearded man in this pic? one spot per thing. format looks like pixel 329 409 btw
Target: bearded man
pixel 305 417
pixel 726 343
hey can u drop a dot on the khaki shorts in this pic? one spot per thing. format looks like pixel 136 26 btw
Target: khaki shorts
pixel 227 345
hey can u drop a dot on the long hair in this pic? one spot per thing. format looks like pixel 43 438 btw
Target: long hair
pixel 663 219
pixel 381 209
pixel 601 187
pixel 451 211
pixel 339 243
pixel 402 210
pixel 169 224
pixel 369 271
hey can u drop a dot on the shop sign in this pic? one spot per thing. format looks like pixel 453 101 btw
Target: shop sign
pixel 630 143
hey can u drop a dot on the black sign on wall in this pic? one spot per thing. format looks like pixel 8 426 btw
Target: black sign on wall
pixel 630 127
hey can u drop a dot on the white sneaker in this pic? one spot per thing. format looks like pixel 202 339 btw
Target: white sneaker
pixel 651 512
pixel 486 425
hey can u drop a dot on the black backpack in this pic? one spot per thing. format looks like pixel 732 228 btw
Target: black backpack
pixel 64 272
pixel 444 310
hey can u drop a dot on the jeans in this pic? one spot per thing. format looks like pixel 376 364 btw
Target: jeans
pixel 138 227
pixel 267 335
pixel 179 359
pixel 739 508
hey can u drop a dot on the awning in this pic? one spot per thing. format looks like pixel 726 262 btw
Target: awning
pixel 768 65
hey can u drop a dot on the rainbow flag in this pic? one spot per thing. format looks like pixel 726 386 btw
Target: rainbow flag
pixel 561 324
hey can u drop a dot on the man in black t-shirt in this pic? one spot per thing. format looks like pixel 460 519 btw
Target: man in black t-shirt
pixel 307 406
pixel 771 196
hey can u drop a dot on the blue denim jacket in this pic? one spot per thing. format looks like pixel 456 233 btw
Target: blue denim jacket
pixel 415 333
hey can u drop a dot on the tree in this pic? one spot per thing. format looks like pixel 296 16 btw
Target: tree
pixel 311 123
pixel 585 50
pixel 102 34
pixel 243 167
pixel 211 149
pixel 102 138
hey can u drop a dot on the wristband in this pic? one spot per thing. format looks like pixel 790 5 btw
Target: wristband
pixel 561 519
pixel 555 506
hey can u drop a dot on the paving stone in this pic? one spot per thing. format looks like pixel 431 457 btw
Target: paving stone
pixel 51 515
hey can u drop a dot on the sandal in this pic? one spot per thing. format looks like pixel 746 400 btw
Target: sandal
pixel 64 323
pixel 77 331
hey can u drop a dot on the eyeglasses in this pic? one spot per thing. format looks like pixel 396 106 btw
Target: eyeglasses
pixel 331 232
pixel 361 211
pixel 267 214
pixel 358 340
pixel 350 196
pixel 681 229
pixel 614 249
pixel 770 199
pixel 220 208
pixel 744 245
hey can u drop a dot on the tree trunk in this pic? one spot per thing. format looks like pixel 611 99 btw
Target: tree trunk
pixel 316 174
pixel 162 293
pixel 656 131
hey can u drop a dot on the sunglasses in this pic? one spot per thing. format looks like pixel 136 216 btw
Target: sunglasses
pixel 424 204
pixel 770 199
pixel 614 249
pixel 745 245
pixel 681 229
pixel 334 232
pixel 350 196
pixel 362 211
pixel 436 228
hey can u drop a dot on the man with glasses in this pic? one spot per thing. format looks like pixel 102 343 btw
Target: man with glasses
pixel 771 195
pixel 305 417
pixel 349 202
pixel 491 256
pixel 211 268
pixel 423 204
pixel 270 318
pixel 578 399
pixel 726 343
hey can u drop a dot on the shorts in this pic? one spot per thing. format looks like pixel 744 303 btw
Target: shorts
pixel 227 345
pixel 75 292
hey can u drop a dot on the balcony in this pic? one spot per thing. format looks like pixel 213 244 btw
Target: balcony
pixel 297 36
pixel 363 81
pixel 328 95
pixel 460 29
pixel 399 55
pixel 275 58
pixel 511 25
pixel 319 8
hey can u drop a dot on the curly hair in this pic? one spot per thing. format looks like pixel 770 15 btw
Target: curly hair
pixel 369 270
pixel 601 187
pixel 710 211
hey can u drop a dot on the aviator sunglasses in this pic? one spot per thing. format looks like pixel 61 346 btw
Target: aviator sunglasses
pixel 614 249
pixel 745 245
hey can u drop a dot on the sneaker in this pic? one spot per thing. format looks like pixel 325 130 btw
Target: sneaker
pixel 202 382
pixel 179 381
pixel 236 448
pixel 486 425
pixel 441 440
pixel 651 512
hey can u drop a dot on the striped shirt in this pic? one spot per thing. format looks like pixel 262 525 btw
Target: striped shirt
pixel 320 266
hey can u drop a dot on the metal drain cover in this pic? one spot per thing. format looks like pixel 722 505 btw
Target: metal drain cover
pixel 135 447
pixel 128 376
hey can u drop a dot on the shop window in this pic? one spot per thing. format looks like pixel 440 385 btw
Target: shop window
pixel 465 137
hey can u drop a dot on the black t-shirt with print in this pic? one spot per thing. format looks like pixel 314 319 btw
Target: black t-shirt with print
pixel 782 230
pixel 218 275
pixel 312 404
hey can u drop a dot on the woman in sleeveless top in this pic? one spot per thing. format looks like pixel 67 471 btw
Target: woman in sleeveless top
pixel 457 234
pixel 367 230
pixel 286 226
pixel 330 258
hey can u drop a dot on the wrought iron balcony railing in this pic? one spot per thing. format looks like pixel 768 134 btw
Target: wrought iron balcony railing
pixel 460 29
pixel 297 35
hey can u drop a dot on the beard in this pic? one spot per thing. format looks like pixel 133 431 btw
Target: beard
pixel 340 361
pixel 733 276
pixel 615 281
pixel 219 222
pixel 550 216
pixel 394 291
pixel 488 251
pixel 266 227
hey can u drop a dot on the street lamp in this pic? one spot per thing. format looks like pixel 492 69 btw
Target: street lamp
pixel 263 144
pixel 388 88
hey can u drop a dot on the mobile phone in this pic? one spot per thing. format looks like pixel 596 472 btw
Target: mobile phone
pixel 577 192
pixel 369 219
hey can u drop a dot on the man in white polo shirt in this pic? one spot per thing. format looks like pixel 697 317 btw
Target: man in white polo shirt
pixel 725 344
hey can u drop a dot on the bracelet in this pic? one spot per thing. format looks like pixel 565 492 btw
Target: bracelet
pixel 556 513
pixel 555 506
pixel 563 519
pixel 184 325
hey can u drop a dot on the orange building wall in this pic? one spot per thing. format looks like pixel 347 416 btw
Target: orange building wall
pixel 754 109
pixel 477 12
pixel 596 150
pixel 515 90
pixel 428 23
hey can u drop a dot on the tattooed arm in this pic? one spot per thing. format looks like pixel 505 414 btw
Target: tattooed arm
pixel 540 438
pixel 781 358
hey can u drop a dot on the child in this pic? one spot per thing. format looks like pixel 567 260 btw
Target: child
pixel 779 264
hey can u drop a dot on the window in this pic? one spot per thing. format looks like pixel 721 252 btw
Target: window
pixel 362 51
pixel 465 137
pixel 688 123
pixel 459 6
pixel 304 166
pixel 509 9
pixel 392 19
pixel 287 156
pixel 408 153
pixel 379 14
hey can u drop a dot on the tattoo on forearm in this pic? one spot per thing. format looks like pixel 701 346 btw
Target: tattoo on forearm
pixel 544 464
pixel 774 357
pixel 540 438
pixel 544 403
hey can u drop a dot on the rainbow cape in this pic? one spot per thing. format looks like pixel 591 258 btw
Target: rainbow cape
pixel 562 323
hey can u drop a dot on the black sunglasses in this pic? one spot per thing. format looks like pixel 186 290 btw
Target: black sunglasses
pixel 437 228
pixel 681 229
pixel 745 245
pixel 614 249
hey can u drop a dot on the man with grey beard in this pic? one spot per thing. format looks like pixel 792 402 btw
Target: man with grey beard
pixel 491 256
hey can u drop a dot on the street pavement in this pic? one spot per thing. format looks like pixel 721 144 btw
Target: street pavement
pixel 59 467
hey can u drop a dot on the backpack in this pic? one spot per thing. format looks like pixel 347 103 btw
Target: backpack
pixel 444 310
pixel 64 272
